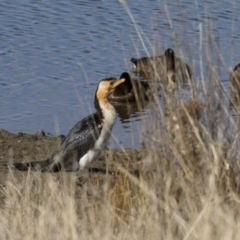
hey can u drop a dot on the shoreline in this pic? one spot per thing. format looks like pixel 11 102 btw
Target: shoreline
pixel 23 147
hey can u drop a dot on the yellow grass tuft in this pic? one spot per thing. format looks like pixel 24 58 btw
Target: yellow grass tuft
pixel 184 184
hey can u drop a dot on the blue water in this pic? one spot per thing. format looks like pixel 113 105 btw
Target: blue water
pixel 53 53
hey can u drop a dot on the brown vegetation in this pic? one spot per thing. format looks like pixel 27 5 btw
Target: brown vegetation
pixel 183 184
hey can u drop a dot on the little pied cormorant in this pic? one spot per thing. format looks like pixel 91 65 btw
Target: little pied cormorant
pixel 86 139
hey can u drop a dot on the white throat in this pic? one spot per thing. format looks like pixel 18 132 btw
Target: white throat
pixel 109 118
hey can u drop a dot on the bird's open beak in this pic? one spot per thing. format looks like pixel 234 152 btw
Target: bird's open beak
pixel 118 82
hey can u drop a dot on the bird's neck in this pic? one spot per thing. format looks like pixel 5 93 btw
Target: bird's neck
pixel 107 111
pixel 170 63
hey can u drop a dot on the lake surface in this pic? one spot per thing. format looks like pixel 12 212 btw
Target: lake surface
pixel 53 54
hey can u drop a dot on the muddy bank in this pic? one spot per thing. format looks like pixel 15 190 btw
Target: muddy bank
pixel 23 147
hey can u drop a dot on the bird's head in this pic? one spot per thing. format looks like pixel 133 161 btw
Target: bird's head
pixel 169 54
pixel 105 88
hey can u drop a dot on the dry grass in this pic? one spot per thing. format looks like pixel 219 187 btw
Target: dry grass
pixel 187 187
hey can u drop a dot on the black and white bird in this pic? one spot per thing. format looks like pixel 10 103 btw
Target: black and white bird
pixel 86 140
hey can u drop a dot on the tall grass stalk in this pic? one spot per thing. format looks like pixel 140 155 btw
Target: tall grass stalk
pixel 186 187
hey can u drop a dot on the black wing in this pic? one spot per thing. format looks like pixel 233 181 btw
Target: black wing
pixel 83 135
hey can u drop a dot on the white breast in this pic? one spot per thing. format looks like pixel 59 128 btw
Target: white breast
pixel 110 117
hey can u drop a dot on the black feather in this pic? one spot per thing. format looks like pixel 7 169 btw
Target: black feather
pixel 79 140
pixel 83 135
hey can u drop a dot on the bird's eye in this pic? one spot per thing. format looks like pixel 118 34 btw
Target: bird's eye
pixel 111 83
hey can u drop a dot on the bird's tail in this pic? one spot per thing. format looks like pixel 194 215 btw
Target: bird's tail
pixel 43 166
